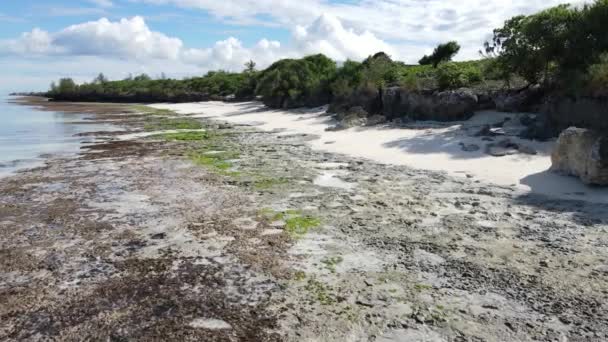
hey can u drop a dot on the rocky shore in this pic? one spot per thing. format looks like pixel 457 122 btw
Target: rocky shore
pixel 224 232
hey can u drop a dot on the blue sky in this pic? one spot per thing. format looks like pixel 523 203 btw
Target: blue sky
pixel 43 40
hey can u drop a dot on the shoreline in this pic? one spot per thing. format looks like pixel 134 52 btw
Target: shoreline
pixel 41 140
pixel 436 149
pixel 232 233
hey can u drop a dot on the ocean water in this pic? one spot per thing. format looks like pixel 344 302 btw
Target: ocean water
pixel 28 136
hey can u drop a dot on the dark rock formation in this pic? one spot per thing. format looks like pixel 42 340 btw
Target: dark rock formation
pixel 440 106
pixel 528 99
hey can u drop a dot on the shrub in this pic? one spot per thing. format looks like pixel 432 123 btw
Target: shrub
pixel 598 77
pixel 453 75
pixel 297 82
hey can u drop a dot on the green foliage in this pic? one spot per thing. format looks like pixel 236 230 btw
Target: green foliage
pixel 65 86
pixel 598 77
pixel 379 70
pixel 551 44
pixel 217 162
pixel 185 136
pixel 561 46
pixel 297 82
pixel 152 111
pixel 142 88
pixel 167 124
pixel 442 53
pixel 320 291
pixel 452 75
pixel 359 84
pixel 296 223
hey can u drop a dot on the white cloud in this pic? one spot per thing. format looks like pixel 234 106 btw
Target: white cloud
pixel 132 39
pixel 413 26
pixel 127 38
pixel 327 35
pixel 230 54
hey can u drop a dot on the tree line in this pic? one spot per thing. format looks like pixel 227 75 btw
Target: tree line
pixel 563 47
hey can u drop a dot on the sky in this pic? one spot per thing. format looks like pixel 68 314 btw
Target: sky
pixel 43 40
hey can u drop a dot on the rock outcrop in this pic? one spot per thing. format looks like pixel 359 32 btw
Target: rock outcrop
pixel 583 153
pixel 440 106
pixel 523 100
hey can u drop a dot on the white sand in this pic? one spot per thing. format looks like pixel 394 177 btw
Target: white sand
pixel 431 149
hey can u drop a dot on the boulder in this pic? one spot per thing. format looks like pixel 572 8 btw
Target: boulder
pixel 502 148
pixel 497 151
pixel 440 106
pixel 582 153
pixel 355 116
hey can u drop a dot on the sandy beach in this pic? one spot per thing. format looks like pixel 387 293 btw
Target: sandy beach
pixel 432 146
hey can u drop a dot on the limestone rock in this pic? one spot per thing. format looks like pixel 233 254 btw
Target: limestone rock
pixel 498 151
pixel 502 148
pixel 355 116
pixel 583 153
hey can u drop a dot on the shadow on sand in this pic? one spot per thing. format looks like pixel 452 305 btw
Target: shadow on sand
pixel 588 205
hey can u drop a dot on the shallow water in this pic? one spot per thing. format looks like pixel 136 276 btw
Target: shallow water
pixel 28 135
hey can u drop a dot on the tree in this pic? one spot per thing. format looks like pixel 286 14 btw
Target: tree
pixel 250 67
pixel 442 53
pixel 558 43
pixel 142 78
pixel 297 82
pixel 100 79
pixel 54 89
pixel 66 86
pixel 378 70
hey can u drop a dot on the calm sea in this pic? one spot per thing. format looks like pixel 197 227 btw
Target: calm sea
pixel 27 135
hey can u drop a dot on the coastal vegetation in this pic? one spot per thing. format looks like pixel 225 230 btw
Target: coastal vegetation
pixel 562 50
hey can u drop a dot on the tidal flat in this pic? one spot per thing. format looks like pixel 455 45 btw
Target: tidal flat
pixel 232 233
